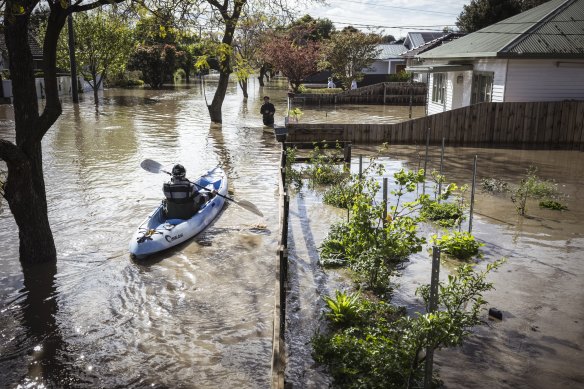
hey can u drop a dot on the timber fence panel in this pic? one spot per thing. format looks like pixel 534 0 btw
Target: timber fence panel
pixel 579 128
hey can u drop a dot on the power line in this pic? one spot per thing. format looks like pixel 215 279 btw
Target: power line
pixel 394 7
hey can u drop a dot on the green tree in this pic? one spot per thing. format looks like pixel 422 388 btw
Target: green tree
pixel 482 13
pixel 24 189
pixel 317 29
pixel 157 63
pixel 348 53
pixel 103 43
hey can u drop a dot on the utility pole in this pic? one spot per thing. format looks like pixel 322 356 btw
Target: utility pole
pixel 72 59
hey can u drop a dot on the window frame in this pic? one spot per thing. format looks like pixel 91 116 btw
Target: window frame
pixel 438 88
pixel 482 87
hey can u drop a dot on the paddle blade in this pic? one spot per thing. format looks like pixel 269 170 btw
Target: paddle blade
pixel 152 166
pixel 249 206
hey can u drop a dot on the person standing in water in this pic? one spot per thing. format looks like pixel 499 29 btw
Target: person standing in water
pixel 268 110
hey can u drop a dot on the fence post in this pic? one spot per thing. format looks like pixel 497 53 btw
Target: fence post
pixel 360 167
pixel 432 307
pixel 426 160
pixel 441 170
pixel 384 200
pixel 472 193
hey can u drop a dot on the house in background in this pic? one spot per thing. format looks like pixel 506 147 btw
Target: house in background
pixel 537 55
pixel 391 61
pixel 411 55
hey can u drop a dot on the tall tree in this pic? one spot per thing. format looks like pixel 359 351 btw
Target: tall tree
pixel 157 63
pixel 482 13
pixel 24 189
pixel 295 58
pixel 318 29
pixel 348 53
pixel 103 43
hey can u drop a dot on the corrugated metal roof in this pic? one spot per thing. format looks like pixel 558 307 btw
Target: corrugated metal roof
pixel 553 29
pixel 390 50
pixel 416 39
pixel 432 44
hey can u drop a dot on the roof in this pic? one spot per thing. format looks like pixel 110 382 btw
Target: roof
pixel 439 68
pixel 35 48
pixel 415 39
pixel 552 30
pixel 432 44
pixel 390 50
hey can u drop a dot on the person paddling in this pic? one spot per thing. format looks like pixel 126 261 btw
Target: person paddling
pixel 183 198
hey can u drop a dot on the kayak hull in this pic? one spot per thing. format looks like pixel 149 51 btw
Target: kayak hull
pixel 156 233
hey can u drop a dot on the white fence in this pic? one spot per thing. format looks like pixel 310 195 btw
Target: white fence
pixel 64 84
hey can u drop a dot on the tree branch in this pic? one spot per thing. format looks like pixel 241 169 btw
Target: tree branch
pixel 10 153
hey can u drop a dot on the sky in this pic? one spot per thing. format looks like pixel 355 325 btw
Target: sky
pixel 390 17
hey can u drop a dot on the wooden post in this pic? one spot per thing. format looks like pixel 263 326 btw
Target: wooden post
pixel 432 307
pixel 384 200
pixel 384 92
pixel 411 93
pixel 472 193
pixel 426 160
pixel 441 170
pixel 360 167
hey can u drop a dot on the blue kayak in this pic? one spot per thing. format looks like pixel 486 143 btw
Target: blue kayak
pixel 157 233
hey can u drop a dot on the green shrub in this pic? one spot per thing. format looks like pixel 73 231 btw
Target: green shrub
pixel 444 214
pixel 553 205
pixel 322 168
pixel 293 176
pixel 340 195
pixel 532 187
pixel 460 245
pixel 343 308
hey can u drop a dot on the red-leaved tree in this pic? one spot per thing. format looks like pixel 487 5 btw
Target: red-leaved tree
pixel 295 57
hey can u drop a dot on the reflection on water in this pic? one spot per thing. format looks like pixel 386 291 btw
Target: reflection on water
pixel 200 315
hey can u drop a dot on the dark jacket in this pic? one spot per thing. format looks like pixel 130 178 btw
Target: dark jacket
pixel 268 110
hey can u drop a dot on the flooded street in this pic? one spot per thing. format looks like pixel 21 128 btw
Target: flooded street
pixel 200 315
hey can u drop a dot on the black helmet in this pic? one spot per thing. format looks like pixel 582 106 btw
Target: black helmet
pixel 179 171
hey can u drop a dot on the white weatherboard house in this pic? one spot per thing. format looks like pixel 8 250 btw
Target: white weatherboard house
pixel 537 55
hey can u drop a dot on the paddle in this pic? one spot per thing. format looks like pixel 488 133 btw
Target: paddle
pixel 155 167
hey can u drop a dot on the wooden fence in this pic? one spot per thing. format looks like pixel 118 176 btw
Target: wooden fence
pixel 389 93
pixel 278 346
pixel 538 125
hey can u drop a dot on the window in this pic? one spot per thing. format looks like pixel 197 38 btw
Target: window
pixel 482 88
pixel 438 87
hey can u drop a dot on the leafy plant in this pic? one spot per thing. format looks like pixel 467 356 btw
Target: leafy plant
pixel 343 308
pixel 293 176
pixel 369 245
pixel 322 168
pixel 384 348
pixel 340 195
pixel 295 113
pixel 444 214
pixel 460 245
pixel 553 205
pixel 532 187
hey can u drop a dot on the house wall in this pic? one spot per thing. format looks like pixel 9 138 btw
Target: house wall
pixel 544 80
pixel 378 67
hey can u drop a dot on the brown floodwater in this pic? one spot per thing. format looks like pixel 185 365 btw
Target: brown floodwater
pixel 540 288
pixel 200 315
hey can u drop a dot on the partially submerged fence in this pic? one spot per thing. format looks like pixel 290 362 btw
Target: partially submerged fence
pixel 389 93
pixel 543 125
pixel 278 345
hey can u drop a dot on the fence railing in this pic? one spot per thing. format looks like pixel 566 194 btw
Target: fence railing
pixel 389 93
pixel 544 125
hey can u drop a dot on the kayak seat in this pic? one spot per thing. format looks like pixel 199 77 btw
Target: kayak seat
pixel 183 211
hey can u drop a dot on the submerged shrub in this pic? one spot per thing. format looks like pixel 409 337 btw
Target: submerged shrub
pixel 553 205
pixel 460 245
pixel 494 185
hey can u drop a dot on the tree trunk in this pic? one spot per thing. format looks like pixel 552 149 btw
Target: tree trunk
pixel 217 103
pixel 263 72
pixel 243 86
pixel 25 186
